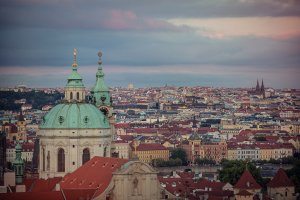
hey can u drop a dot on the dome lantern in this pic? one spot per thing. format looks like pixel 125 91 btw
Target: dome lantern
pixel 75 90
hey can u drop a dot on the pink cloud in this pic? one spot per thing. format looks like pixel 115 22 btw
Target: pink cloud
pixel 128 20
pixel 119 20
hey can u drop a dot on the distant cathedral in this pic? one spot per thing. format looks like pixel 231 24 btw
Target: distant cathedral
pixel 259 90
pixel 76 130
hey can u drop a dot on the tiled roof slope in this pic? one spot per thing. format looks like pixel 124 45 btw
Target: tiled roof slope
pixel 150 147
pixel 280 180
pixel 95 174
pixel 41 185
pixel 247 182
pixel 57 195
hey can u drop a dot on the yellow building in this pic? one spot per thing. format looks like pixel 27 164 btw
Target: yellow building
pixel 147 152
pixel 275 151
pixel 232 153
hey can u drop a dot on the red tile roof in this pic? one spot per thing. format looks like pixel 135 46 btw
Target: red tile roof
pixel 150 147
pixel 122 126
pixel 57 195
pixel 280 180
pixel 41 185
pixel 186 174
pixel 28 183
pixel 244 193
pixel 94 174
pixel 126 137
pixel 247 182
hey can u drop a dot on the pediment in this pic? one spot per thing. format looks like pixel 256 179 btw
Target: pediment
pixel 136 167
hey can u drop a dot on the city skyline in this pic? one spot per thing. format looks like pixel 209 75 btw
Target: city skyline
pixel 209 43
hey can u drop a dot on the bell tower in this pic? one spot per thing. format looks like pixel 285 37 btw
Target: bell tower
pixel 100 92
pixel 101 95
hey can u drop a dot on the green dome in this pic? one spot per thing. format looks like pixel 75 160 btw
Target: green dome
pixel 74 115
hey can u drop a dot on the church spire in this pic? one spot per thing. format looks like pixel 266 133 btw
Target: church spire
pixel 100 91
pixel 262 85
pixel 257 86
pixel 262 89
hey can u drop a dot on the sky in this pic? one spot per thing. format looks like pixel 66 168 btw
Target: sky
pixel 219 43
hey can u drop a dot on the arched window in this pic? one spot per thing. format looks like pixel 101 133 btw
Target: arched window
pixel 77 95
pixel 104 152
pixel 61 160
pixel 43 159
pixel 71 95
pixel 85 155
pixel 48 161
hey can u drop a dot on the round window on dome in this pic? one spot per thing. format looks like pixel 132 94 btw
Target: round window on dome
pixel 61 119
pixel 86 119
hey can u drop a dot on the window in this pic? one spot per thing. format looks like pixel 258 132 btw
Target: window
pixel 104 152
pixel 61 160
pixel 71 95
pixel 48 161
pixel 43 159
pixel 77 95
pixel 85 155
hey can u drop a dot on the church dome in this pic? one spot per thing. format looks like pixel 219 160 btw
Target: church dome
pixel 74 116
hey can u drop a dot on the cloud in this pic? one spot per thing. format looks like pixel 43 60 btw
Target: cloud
pixel 146 36
pixel 274 27
pixel 144 14
pixel 34 47
pixel 128 20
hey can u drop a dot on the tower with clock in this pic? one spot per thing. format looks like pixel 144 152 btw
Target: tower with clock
pixel 101 96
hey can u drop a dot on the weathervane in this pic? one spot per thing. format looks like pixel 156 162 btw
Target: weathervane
pixel 99 55
pixel 75 54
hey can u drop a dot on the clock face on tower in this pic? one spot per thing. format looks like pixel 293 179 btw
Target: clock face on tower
pixel 104 110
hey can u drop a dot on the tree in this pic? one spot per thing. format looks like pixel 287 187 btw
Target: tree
pixel 232 170
pixel 179 153
pixel 294 174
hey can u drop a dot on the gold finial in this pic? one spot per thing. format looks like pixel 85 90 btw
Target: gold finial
pixel 75 54
pixel 99 55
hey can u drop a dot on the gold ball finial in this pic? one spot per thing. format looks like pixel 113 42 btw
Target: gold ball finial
pixel 99 55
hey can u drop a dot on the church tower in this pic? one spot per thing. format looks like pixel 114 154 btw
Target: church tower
pixel 257 89
pixel 19 165
pixel 21 124
pixel 101 96
pixel 262 89
pixel 74 90
pixel 100 92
